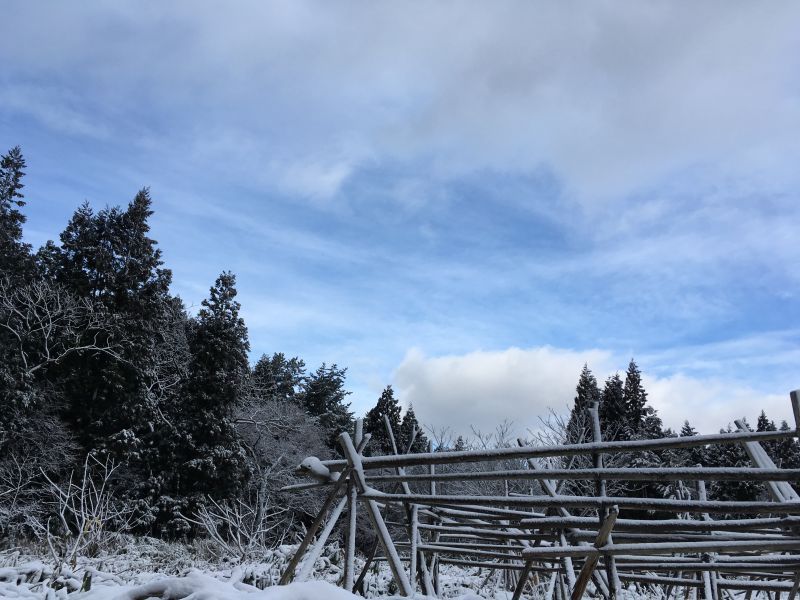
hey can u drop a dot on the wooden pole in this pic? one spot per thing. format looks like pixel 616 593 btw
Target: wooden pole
pixel 350 559
pixel 288 574
pixel 595 474
pixel 425 578
pixel 591 561
pixel 398 572
pixel 614 585
pixel 715 506
pixel 412 575
pixel 470 456
pixel 781 490
pixel 352 514
pixel 523 579
pixel 319 545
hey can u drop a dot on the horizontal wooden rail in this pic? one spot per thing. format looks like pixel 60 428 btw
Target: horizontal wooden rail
pixel 525 534
pixel 763 523
pixel 525 452
pixel 711 506
pixel 623 474
pixel 661 548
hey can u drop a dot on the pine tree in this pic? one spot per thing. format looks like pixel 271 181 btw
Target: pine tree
pixel 387 406
pixel 579 426
pixel 612 410
pixel 279 378
pixel 324 399
pixel 15 257
pixel 15 389
pixel 695 455
pixel 409 425
pixel 786 453
pixel 108 259
pixel 641 417
pixel 733 455
pixel 218 372
pixel 764 424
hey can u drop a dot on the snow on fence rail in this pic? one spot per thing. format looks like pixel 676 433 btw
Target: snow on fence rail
pixel 539 541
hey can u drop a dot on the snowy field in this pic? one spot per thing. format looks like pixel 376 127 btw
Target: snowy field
pixel 151 568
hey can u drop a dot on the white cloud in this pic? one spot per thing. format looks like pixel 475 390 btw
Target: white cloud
pixel 483 389
pixel 711 403
pixel 613 97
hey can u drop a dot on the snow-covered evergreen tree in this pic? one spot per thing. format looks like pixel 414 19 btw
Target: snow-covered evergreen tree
pixel 613 416
pixel 324 399
pixel 408 425
pixel 587 392
pixel 387 406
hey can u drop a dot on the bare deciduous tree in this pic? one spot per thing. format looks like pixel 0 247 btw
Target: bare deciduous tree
pixel 276 434
pixel 243 528
pixel 47 324
pixel 84 511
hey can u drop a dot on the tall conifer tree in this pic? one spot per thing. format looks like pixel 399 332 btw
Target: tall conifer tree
pixel 613 416
pixel 387 406
pixel 218 373
pixel 579 425
pixel 108 259
pixel 15 257
pixel 324 399
pixel 407 426
pixel 278 377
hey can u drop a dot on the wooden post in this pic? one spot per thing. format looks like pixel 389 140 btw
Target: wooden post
pixel 794 396
pixel 591 561
pixel 288 574
pixel 352 521
pixel 425 578
pixel 614 585
pixel 319 545
pixel 709 583
pixel 523 579
pixel 434 557
pixel 352 514
pixel 412 574
pixel 398 572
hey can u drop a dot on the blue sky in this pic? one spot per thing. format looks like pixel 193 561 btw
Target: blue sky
pixel 466 200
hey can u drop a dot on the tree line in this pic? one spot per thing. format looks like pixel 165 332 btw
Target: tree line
pixel 625 414
pixel 98 357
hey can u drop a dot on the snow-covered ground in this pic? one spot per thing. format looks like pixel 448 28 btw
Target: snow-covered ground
pixel 141 568
pixel 146 567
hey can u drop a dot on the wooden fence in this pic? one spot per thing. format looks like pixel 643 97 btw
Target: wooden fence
pixel 556 545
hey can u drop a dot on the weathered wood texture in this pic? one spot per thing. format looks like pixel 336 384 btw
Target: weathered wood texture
pixel 691 543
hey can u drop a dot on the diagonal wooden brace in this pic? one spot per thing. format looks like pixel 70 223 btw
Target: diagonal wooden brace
pixel 357 472
pixel 592 560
